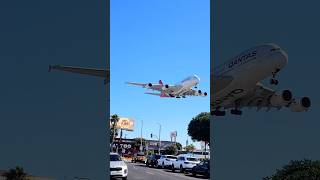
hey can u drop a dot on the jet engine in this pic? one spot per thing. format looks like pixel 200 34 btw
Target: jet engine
pixel 165 87
pixel 149 85
pixel 282 99
pixel 301 105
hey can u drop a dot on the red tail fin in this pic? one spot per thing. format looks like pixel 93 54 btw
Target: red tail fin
pixel 160 82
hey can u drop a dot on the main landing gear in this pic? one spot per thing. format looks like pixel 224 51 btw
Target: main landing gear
pixel 236 112
pixel 218 113
pixel 273 80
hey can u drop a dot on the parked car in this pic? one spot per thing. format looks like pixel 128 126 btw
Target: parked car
pixel 152 160
pixel 118 168
pixel 139 157
pixel 184 163
pixel 166 161
pixel 202 168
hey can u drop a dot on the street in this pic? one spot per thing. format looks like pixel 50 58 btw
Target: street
pixel 139 171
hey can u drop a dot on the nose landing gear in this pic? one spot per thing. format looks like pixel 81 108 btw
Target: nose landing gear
pixel 273 80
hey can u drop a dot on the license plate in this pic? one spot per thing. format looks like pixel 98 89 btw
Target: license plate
pixel 115 173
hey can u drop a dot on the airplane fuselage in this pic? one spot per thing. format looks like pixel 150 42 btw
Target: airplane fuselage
pixel 187 83
pixel 247 69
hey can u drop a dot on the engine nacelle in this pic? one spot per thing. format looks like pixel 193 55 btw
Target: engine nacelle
pixel 200 93
pixel 301 105
pixel 149 85
pixel 281 99
pixel 165 87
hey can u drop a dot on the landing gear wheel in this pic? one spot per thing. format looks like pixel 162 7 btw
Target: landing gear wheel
pixel 236 112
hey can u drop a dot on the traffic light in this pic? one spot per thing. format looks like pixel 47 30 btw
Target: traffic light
pixel 151 135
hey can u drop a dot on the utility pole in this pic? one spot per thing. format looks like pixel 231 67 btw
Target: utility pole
pixel 141 137
pixel 159 138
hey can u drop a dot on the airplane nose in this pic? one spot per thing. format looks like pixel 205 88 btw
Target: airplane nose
pixel 284 57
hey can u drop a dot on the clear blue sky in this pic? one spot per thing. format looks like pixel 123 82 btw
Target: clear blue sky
pixel 256 144
pixel 153 40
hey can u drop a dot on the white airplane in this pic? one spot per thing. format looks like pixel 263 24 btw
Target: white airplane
pixel 87 71
pixel 236 82
pixel 181 89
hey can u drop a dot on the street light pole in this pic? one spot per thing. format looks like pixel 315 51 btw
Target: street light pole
pixel 159 138
pixel 141 137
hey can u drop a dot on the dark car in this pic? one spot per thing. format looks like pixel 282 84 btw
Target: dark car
pixel 138 157
pixel 152 160
pixel 203 168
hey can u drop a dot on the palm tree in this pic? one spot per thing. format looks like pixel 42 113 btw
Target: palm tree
pixel 113 130
pixel 16 174
pixel 190 148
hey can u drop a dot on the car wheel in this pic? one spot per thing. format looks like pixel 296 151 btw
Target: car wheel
pixel 162 165
pixel 124 178
pixel 194 173
pixel 172 168
pixel 181 169
pixel 207 174
pixel 147 164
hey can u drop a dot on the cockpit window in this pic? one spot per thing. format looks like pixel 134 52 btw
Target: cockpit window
pixel 274 49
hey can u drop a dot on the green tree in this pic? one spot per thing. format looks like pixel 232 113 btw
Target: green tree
pixel 190 148
pixel 199 127
pixel 171 150
pixel 297 170
pixel 16 174
pixel 137 142
pixel 179 146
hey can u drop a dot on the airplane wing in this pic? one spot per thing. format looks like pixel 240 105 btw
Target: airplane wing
pixel 193 92
pixel 81 70
pixel 264 97
pixel 258 97
pixel 157 87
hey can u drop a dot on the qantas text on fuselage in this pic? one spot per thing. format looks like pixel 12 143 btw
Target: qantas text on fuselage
pixel 236 83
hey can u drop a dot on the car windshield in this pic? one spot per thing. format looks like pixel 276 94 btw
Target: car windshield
pixel 192 159
pixel 171 157
pixel 115 157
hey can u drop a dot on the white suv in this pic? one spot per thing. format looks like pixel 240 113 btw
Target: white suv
pixel 166 161
pixel 184 162
pixel 118 168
